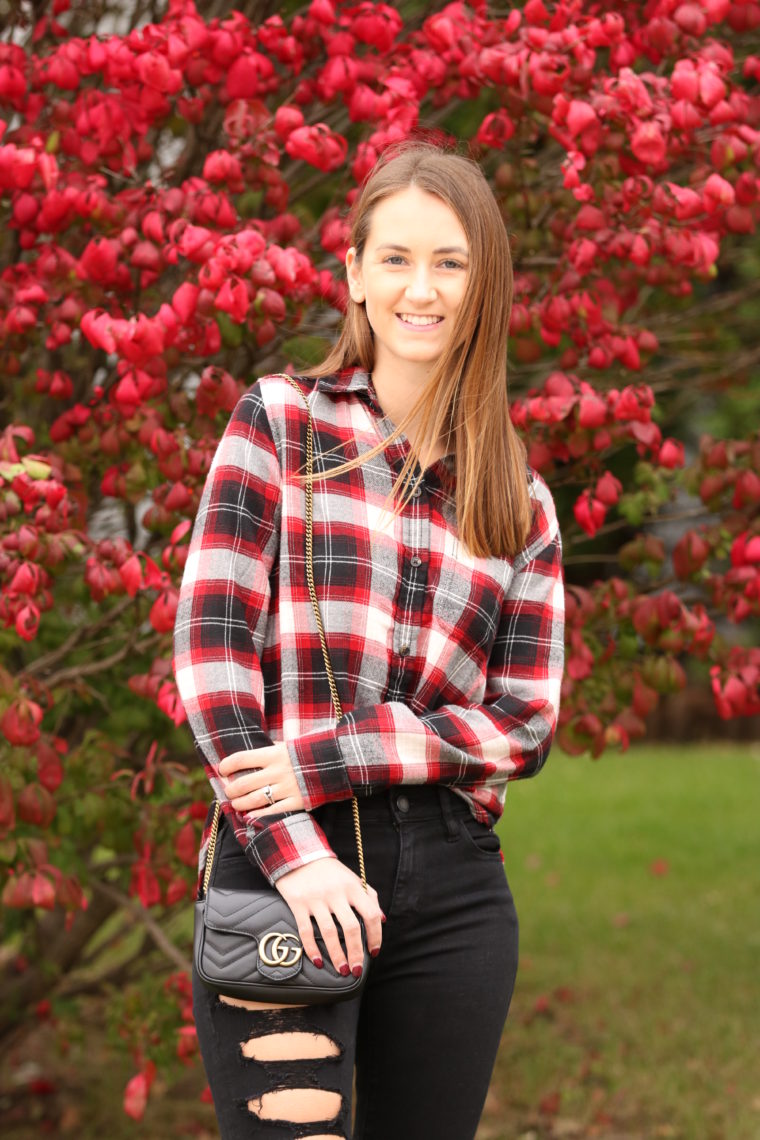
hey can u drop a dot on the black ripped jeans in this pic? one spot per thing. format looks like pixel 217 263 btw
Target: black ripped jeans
pixel 424 1033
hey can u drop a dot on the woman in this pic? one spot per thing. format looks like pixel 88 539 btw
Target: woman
pixel 437 566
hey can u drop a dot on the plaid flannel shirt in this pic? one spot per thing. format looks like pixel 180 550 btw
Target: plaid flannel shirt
pixel 448 666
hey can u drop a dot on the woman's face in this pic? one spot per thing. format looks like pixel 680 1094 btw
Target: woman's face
pixel 412 277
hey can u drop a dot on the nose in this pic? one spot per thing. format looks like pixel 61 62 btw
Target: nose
pixel 420 289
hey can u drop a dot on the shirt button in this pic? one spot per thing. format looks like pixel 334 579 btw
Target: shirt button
pixel 417 492
pixel 403 651
pixel 402 803
pixel 416 561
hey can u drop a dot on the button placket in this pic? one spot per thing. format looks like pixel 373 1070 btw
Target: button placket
pixel 410 601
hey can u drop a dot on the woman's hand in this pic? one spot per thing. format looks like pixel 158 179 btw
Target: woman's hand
pixel 329 891
pixel 326 889
pixel 247 774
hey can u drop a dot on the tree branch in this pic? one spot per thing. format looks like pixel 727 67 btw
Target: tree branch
pixel 76 636
pixel 77 987
pixel 158 936
pixel 74 672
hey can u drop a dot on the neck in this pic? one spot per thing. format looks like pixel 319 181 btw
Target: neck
pixel 397 395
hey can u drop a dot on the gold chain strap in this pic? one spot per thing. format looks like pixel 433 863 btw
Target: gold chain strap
pixel 211 850
pixel 309 494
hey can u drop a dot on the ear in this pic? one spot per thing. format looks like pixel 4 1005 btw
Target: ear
pixel 355 286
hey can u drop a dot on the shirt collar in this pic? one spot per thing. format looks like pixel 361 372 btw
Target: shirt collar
pixel 352 379
pixel 355 379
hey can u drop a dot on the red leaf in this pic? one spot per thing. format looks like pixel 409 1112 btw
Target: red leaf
pixel 549 1105
pixel 648 144
pixel 317 145
pixel 19 722
pixel 671 454
pixel 145 885
pixel 178 498
pixel 7 813
pixel 27 622
pixel 43 893
pixel 186 845
pixel 176 890
pixel 26 580
pixel 580 115
pixel 589 513
pixel 187 1043
pixel 131 575
pixel 542 1005
pixel 36 805
pixel 136 1091
pixel 154 577
pixel 164 610
pixel 168 700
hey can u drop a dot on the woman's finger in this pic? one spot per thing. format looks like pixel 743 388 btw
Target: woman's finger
pixel 302 916
pixel 368 906
pixel 329 933
pixel 247 803
pixel 272 755
pixel 285 795
pixel 239 761
pixel 352 934
pixel 248 784
pixel 252 805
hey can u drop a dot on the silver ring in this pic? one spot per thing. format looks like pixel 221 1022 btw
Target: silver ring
pixel 268 793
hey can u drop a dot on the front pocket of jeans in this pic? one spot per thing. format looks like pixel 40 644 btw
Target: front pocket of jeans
pixel 482 839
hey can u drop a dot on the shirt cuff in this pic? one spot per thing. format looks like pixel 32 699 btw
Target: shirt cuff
pixel 287 844
pixel 319 768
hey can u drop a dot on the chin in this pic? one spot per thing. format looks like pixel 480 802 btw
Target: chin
pixel 421 352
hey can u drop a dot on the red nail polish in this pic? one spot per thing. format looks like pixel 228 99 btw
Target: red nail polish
pixel 374 952
pixel 357 971
pixel 344 970
pixel 382 917
pixel 318 963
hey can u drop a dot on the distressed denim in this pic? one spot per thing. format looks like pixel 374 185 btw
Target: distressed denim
pixel 422 1037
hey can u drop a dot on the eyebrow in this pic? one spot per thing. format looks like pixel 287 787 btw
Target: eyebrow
pixel 442 249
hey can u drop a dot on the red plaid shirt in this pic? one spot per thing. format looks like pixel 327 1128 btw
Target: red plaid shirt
pixel 448 666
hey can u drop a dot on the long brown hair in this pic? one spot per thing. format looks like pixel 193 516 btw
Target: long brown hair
pixel 465 398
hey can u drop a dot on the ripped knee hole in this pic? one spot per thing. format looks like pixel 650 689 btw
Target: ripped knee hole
pixel 243 1003
pixel 297 1106
pixel 296 1046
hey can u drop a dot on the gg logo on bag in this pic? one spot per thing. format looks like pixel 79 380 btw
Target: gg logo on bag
pixel 274 949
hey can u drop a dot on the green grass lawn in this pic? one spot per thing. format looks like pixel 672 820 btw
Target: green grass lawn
pixel 637 1008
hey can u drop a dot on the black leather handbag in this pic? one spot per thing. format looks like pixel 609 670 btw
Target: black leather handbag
pixel 246 943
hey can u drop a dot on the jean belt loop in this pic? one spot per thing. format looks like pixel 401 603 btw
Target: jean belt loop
pixel 450 822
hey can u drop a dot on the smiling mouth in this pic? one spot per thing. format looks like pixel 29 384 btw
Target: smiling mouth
pixel 418 321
